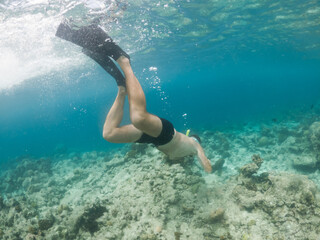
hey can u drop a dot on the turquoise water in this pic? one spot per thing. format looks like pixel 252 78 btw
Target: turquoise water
pixel 203 65
pixel 244 75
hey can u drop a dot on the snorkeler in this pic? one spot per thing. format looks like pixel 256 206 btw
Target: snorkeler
pixel 145 127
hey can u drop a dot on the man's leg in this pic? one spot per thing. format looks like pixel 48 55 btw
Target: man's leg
pixel 93 38
pixel 111 130
pixel 140 118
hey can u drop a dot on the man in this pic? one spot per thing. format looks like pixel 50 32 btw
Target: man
pixel 145 127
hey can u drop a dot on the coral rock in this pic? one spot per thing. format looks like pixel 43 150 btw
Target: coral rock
pixel 218 165
pixel 217 215
pixel 263 141
pixel 305 163
pixel 87 220
pixel 177 235
pixel 1 203
pixel 45 224
pixel 257 160
pixel 158 229
pixel 249 169
pixel 315 136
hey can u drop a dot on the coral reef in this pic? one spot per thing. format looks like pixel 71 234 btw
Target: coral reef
pixel 140 194
pixel 290 202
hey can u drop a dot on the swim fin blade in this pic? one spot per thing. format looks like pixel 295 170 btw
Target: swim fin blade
pixel 64 31
pixel 91 37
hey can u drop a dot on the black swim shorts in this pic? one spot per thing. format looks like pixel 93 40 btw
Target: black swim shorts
pixel 165 136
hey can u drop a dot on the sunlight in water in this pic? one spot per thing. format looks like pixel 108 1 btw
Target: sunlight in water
pixel 28 47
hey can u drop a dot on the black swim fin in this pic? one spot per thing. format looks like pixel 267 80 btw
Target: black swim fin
pixel 92 38
pixel 108 65
pixel 65 31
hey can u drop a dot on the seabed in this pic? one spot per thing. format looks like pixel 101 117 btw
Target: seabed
pixel 265 185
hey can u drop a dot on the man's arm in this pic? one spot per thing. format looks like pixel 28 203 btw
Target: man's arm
pixel 202 158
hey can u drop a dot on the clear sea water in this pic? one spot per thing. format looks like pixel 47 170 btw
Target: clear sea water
pixel 204 64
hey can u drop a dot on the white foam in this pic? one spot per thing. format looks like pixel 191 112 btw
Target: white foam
pixel 12 71
pixel 29 49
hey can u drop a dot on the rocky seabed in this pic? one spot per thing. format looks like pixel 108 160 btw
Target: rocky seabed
pixel 265 185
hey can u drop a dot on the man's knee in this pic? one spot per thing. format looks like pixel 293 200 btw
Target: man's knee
pixel 139 120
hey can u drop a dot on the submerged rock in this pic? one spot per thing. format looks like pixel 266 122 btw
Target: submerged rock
pixel 257 160
pixel 263 141
pixel 305 163
pixel 217 166
pixel 45 224
pixel 1 203
pixel 87 220
pixel 217 215
pixel 177 235
pixel 315 136
pixel 249 169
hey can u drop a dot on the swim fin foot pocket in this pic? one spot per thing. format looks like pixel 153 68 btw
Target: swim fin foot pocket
pixel 108 65
pixel 92 38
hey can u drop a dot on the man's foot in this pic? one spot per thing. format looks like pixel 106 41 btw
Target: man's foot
pixel 123 60
pixel 122 90
pixel 125 66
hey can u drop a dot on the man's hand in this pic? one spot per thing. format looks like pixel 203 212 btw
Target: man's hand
pixel 204 161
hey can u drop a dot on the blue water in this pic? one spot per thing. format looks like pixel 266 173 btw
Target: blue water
pixel 203 65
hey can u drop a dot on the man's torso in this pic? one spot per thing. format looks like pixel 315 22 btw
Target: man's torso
pixel 180 146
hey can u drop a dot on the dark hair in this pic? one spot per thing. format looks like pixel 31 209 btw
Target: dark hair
pixel 196 137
